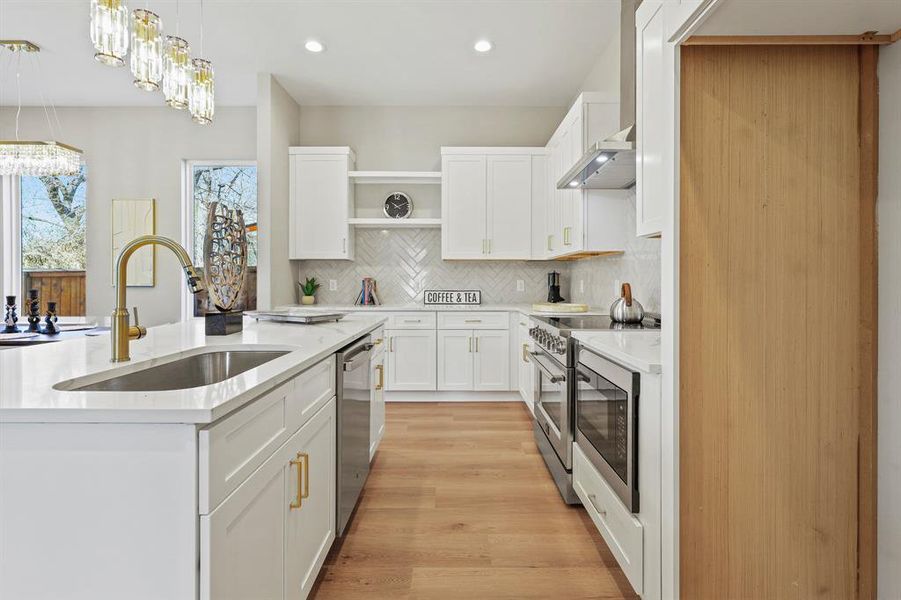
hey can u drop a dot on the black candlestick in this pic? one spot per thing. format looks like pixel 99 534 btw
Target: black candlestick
pixel 50 327
pixel 11 316
pixel 34 311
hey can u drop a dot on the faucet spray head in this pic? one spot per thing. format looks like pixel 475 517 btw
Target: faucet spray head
pixel 195 282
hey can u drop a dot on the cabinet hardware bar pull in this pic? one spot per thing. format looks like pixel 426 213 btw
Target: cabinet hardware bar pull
pixel 472 320
pixel 593 500
pixel 489 246
pixel 306 474
pixel 391 344
pixel 344 245
pixel 477 343
pixel 525 353
pixel 381 383
pixel 298 499
pixel 378 342
pixel 470 344
pixel 549 243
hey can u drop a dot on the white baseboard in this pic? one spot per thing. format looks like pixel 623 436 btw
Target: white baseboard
pixel 433 396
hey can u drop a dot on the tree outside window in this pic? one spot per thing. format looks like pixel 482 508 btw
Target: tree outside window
pixel 53 240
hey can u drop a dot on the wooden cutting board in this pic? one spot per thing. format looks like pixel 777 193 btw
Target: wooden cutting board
pixel 559 307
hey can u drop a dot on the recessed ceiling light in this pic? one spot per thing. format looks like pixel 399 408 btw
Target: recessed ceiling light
pixel 314 46
pixel 573 184
pixel 483 46
pixel 601 158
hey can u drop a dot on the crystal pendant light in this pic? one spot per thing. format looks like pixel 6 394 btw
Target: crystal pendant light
pixel 34 158
pixel 109 31
pixel 146 49
pixel 201 98
pixel 176 72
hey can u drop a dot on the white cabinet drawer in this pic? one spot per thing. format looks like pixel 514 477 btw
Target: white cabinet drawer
pixel 411 320
pixel 473 320
pixel 233 447
pixel 619 527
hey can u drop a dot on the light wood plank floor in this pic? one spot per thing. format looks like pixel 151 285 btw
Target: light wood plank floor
pixel 459 505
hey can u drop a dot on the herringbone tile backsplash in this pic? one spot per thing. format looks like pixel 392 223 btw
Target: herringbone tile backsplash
pixel 405 262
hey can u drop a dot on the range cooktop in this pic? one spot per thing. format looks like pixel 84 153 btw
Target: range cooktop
pixel 564 325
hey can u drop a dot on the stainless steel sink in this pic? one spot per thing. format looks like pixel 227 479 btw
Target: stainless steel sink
pixel 189 372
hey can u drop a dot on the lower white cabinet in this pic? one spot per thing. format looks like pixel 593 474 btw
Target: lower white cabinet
pixel 377 399
pixel 411 360
pixel 474 359
pixel 269 538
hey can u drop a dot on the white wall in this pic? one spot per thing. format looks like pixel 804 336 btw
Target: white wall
pixel 278 116
pixel 410 137
pixel 138 153
pixel 889 375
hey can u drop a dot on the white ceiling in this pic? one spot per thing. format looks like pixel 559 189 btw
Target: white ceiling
pixel 378 52
pixel 803 17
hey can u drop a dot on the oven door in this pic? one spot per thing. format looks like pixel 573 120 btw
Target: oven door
pixel 553 406
pixel 607 423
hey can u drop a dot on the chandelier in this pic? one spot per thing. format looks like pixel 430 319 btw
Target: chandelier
pixel 34 158
pixel 157 62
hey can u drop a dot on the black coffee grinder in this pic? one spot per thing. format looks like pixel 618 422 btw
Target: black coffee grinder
pixel 553 287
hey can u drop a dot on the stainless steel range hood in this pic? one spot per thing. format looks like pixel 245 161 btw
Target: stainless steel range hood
pixel 607 165
pixel 610 163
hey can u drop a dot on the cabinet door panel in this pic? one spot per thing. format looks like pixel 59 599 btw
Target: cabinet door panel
pixel 463 196
pixel 492 361
pixel 411 360
pixel 455 362
pixel 320 195
pixel 242 541
pixel 509 207
pixel 310 529
pixel 652 121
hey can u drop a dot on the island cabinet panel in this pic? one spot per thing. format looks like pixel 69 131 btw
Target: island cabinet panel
pixel 269 538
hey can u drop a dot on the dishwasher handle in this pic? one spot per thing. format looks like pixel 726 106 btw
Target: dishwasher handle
pixel 351 363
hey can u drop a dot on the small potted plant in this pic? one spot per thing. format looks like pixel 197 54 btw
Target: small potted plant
pixel 309 288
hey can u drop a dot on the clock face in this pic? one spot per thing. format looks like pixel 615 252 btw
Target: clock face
pixel 398 205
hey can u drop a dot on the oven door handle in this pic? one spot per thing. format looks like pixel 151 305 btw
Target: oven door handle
pixel 544 369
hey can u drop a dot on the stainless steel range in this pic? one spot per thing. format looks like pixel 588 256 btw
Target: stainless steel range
pixel 556 357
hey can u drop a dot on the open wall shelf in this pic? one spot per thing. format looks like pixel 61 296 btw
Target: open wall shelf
pixel 397 177
pixel 385 223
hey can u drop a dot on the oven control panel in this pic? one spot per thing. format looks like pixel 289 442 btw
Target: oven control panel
pixel 553 343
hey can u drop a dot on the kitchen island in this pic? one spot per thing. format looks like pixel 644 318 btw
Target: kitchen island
pixel 224 490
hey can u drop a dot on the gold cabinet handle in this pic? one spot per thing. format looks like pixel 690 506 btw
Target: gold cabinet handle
pixel 525 353
pixel 391 344
pixel 381 383
pixel 489 245
pixel 477 344
pixel 378 342
pixel 472 320
pixel 470 344
pixel 567 235
pixel 302 462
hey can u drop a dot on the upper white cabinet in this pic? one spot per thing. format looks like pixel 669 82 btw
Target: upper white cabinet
pixel 582 221
pixel 487 196
pixel 653 119
pixel 321 202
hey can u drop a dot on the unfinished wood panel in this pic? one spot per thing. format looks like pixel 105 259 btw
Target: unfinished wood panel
pixel 460 505
pixel 775 247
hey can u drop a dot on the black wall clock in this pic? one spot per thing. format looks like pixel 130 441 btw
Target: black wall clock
pixel 398 206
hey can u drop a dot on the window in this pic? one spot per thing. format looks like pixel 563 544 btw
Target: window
pixel 45 227
pixel 234 184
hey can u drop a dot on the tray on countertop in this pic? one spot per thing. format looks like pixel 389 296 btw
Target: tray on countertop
pixel 304 317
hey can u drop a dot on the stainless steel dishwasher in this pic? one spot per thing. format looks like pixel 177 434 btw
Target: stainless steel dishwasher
pixel 353 426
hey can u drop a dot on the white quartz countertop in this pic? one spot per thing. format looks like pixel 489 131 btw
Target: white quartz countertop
pixel 638 350
pixel 28 375
pixel 525 309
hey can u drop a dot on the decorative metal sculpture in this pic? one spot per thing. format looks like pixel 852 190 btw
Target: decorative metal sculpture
pixel 11 317
pixel 224 265
pixel 34 311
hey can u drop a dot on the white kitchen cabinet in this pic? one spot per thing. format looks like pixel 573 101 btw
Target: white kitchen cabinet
pixel 653 119
pixel 412 360
pixel 509 222
pixel 310 498
pixel 463 196
pixel 474 360
pixel 321 199
pixel 583 222
pixel 455 360
pixel 377 398
pixel 269 538
pixel 491 361
pixel 486 203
